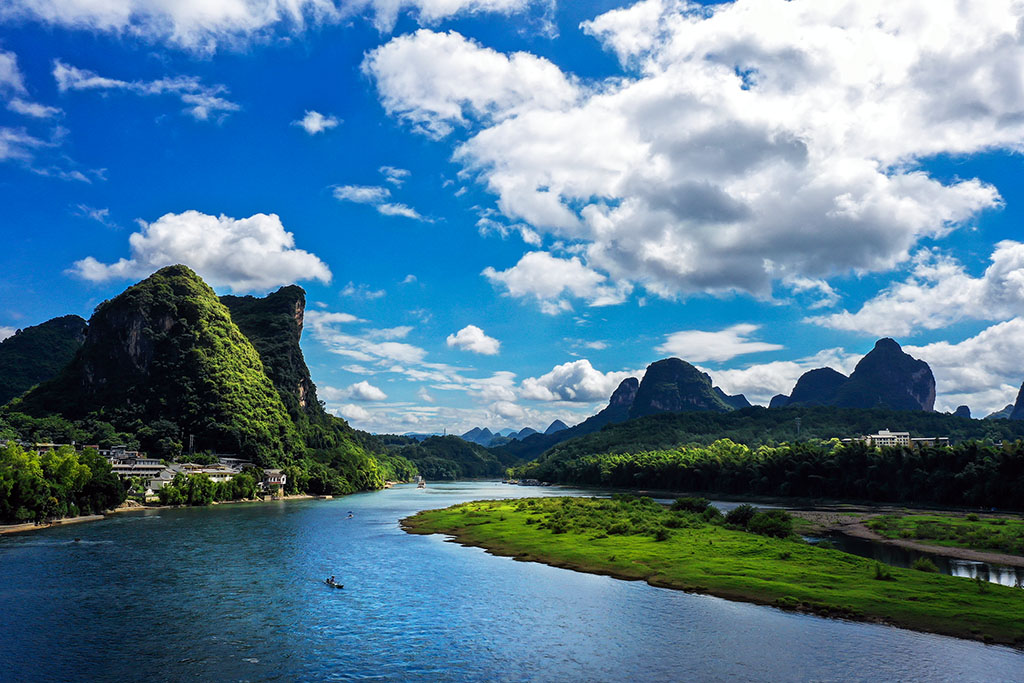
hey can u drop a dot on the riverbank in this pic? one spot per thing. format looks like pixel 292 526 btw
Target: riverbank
pixel 137 507
pixel 707 558
pixel 853 521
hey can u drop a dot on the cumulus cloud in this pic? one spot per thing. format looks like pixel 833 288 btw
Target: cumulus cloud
pixel 378 197
pixel 6 332
pixel 201 101
pixel 205 26
pixel 314 122
pixel 243 254
pixel 940 292
pixel 577 381
pixel 472 338
pixel 983 371
pixel 436 81
pixel 698 346
pixel 549 280
pixel 360 391
pixel 743 144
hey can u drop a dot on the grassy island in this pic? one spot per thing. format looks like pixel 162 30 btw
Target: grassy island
pixel 972 531
pixel 692 547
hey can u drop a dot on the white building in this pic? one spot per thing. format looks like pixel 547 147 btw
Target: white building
pixel 886 438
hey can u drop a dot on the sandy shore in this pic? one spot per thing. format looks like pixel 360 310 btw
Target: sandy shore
pixel 17 528
pixel 852 521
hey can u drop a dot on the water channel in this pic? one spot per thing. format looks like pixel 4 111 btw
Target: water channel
pixel 235 593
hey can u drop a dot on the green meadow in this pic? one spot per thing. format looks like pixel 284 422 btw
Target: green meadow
pixel 692 547
pixel 999 534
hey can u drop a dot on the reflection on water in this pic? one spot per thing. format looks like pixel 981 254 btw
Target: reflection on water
pixel 236 592
pixel 901 557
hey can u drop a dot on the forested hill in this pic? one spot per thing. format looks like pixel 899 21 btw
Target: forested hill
pixel 756 426
pixel 447 457
pixel 166 353
pixel 36 354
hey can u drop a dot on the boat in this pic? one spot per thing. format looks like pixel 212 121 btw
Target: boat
pixel 333 584
pixel 420 484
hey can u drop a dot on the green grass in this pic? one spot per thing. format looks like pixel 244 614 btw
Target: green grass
pixel 972 531
pixel 618 537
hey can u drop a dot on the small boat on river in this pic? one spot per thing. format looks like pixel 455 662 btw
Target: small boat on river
pixel 332 583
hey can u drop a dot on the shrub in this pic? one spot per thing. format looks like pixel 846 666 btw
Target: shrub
pixel 691 505
pixel 662 534
pixel 776 523
pixel 971 517
pixel 882 572
pixel 712 514
pixel 741 515
pixel 923 564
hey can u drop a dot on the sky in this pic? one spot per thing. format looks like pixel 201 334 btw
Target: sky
pixel 499 209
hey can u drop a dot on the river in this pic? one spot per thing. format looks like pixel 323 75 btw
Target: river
pixel 235 593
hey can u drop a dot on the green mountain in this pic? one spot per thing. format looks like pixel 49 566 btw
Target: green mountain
pixel 165 360
pixel 673 385
pixel 274 326
pixel 886 377
pixel 450 457
pixel 36 354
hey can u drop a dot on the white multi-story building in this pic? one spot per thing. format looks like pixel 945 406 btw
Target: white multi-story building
pixel 886 438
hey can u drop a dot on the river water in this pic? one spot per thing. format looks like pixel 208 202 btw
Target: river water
pixel 235 593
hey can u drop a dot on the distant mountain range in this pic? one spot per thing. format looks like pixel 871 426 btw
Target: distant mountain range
pixel 485 437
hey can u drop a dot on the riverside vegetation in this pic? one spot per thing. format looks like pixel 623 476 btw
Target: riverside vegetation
pixel 969 474
pixel 694 549
pixel 974 531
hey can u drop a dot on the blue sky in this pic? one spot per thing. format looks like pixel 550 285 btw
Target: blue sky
pixel 501 208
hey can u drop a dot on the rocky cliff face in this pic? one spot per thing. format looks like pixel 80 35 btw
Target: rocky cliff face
pixel 817 387
pixel 165 360
pixel 888 377
pixel 885 377
pixel 38 353
pixel 1018 406
pixel 274 326
pixel 673 385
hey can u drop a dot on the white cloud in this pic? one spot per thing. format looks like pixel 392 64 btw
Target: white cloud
pixel 243 254
pixel 983 371
pixel 549 279
pixel 472 338
pixel 6 332
pixel 362 291
pixel 11 79
pixel 940 292
pixel 101 216
pixel 208 25
pixel 424 395
pixel 395 176
pixel 33 109
pixel 435 81
pixel 409 279
pixel 365 346
pixel 698 346
pixel 201 101
pixel 351 411
pixel 743 145
pixel 314 122
pixel 364 391
pixel 377 196
pixel 576 381
pixel 16 143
